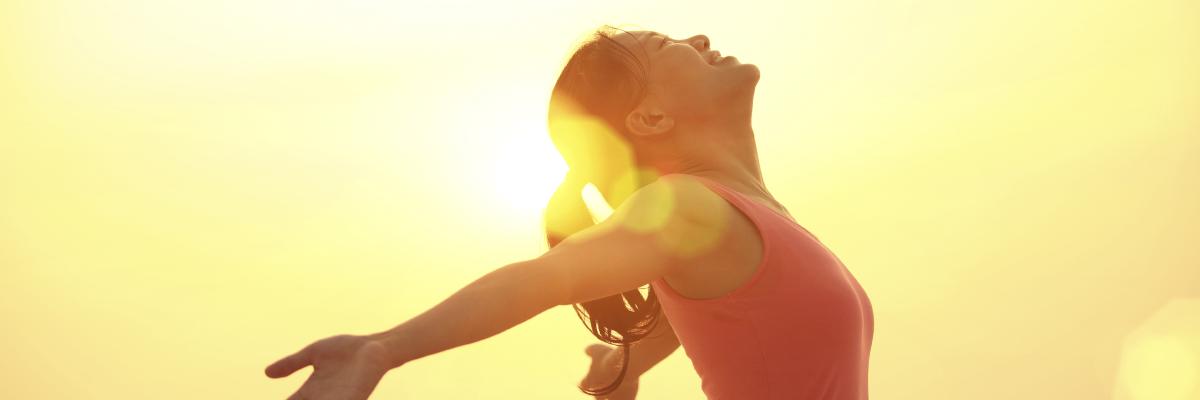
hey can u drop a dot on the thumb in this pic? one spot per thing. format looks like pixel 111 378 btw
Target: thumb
pixel 287 365
pixel 597 350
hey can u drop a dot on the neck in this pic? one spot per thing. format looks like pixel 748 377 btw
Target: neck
pixel 727 154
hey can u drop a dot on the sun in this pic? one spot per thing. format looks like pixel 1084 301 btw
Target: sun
pixel 525 172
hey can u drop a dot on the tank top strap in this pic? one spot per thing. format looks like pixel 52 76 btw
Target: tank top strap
pixel 741 201
pixel 724 191
pixel 758 212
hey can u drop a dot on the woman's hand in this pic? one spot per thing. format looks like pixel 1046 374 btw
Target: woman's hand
pixel 606 363
pixel 345 367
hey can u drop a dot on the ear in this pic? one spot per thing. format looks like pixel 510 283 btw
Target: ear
pixel 648 120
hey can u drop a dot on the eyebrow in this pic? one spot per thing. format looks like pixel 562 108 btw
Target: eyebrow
pixel 664 39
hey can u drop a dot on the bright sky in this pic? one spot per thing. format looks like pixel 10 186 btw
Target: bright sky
pixel 190 190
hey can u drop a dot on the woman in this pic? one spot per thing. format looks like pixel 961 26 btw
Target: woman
pixel 662 128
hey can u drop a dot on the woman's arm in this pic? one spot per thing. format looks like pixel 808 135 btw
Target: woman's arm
pixel 645 353
pixel 492 304
pixel 659 229
pixel 650 235
pixel 654 348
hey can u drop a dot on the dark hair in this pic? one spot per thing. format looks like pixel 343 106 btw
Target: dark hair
pixel 600 84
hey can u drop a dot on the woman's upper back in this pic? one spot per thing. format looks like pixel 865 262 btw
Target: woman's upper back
pixel 769 312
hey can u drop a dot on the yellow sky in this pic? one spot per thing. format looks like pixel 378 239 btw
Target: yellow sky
pixel 189 190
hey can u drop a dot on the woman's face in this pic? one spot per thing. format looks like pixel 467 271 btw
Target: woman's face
pixel 691 80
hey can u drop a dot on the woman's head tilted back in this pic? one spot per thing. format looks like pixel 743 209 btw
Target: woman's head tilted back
pixel 627 108
pixel 666 101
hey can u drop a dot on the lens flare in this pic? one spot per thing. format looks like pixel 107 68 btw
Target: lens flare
pixel 1161 359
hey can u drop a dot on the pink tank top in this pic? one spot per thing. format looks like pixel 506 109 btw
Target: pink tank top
pixel 800 328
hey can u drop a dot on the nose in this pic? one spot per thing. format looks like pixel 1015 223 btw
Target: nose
pixel 700 42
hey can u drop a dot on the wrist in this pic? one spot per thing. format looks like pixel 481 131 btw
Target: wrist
pixel 613 362
pixel 391 345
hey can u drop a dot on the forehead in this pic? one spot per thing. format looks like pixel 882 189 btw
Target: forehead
pixel 634 39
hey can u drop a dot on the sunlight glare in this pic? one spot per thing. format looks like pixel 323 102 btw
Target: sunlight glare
pixel 526 172
pixel 1161 359
pixel 596 205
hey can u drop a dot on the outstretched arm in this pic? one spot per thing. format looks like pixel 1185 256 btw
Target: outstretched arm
pixel 651 235
pixel 492 304
pixel 348 367
pixel 644 239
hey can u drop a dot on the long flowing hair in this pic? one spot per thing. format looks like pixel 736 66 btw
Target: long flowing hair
pixel 600 84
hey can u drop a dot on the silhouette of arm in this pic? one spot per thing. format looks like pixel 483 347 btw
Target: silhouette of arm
pixel 654 233
pixel 645 353
pixel 652 349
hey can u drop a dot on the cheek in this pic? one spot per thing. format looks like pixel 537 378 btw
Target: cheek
pixel 686 79
pixel 686 82
pixel 683 64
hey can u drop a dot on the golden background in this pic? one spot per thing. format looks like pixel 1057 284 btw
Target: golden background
pixel 191 190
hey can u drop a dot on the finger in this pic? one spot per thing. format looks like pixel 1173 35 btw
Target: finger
pixel 597 350
pixel 287 365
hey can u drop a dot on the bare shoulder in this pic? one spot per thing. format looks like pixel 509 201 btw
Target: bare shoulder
pixel 670 221
pixel 695 200
pixel 672 225
pixel 680 211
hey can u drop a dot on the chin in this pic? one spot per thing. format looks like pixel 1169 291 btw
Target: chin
pixel 750 69
pixel 745 76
